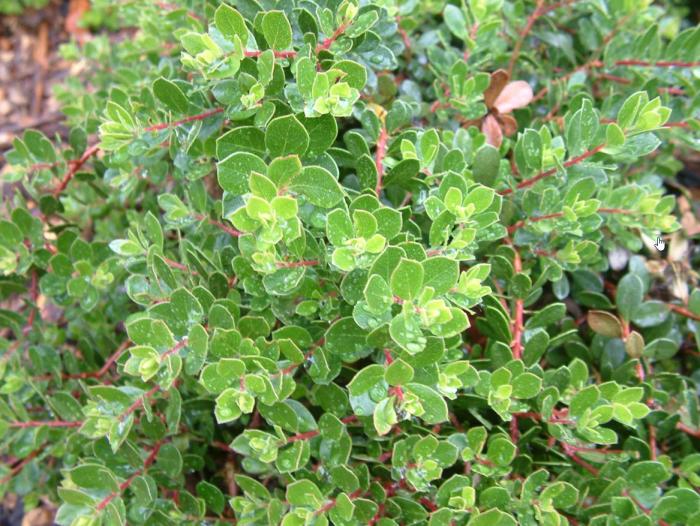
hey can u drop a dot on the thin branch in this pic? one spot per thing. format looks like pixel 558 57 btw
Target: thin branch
pixel 128 482
pixel 49 423
pixel 571 162
pixel 229 230
pixel 20 466
pixel 523 34
pixel 659 64
pixel 518 323
pixel 191 118
pixel 327 43
pixel 74 167
pixel 379 157
pixel 520 224
pixel 687 429
pixel 683 311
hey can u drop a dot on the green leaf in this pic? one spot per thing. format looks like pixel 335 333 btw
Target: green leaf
pixel 366 379
pixel 276 30
pixel 304 493
pixel 378 295
pixel 212 496
pixel 285 136
pixel 647 474
pixel 604 323
pixel 526 385
pixel 233 171
pixel 231 23
pixel 629 296
pixel 434 406
pixel 486 165
pixel 440 273
pixel 407 279
pixel 501 451
pixel 384 417
pixel 170 94
pixel 318 186
pixel 398 373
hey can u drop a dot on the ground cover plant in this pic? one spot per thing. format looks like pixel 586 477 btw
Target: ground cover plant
pixel 358 263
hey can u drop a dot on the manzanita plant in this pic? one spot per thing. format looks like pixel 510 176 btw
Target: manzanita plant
pixel 357 263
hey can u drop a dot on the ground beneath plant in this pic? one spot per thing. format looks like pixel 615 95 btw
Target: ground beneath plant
pixel 30 67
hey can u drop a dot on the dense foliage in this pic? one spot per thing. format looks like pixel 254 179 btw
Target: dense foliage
pixel 381 262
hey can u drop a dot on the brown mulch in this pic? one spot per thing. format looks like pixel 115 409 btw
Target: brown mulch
pixel 30 66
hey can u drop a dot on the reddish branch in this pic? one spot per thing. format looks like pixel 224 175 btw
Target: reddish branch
pixel 542 175
pixel 229 230
pixel 174 264
pixel 571 453
pixel 291 368
pixel 379 158
pixel 191 118
pixel 659 64
pixel 327 43
pixel 689 430
pixel 523 34
pixel 518 324
pixel 558 416
pixel 128 482
pixel 524 222
pixel 175 348
pixel 294 264
pixel 322 46
pixel 328 506
pixel 642 507
pixel 540 11
pixel 95 374
pixel 50 423
pixel 20 466
pixel 623 80
pixel 311 434
pixel 74 167
pixel 683 311
pixel 138 403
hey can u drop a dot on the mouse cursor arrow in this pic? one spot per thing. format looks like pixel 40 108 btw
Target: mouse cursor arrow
pixel 659 245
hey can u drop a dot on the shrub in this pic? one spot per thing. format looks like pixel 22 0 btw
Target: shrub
pixel 376 263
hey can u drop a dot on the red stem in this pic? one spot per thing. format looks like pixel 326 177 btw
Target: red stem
pixel 379 158
pixel 128 482
pixel 659 64
pixel 74 167
pixel 315 432
pixel 523 34
pixel 689 430
pixel 294 264
pixel 641 506
pixel 19 467
pixel 50 423
pixel 229 230
pixel 571 162
pixel 555 215
pixel 683 312
pixel 198 117
pixel 573 456
pixel 516 344
pixel 139 402
pixel 327 43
